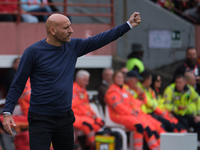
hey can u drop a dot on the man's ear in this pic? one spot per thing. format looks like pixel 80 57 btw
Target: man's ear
pixel 52 30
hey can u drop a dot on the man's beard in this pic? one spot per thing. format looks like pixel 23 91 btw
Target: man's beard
pixel 191 62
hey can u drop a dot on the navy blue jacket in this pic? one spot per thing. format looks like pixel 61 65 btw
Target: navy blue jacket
pixel 51 71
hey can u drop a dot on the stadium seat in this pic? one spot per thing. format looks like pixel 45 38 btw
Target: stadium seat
pixel 109 122
pixel 119 128
pixel 101 111
pixel 95 109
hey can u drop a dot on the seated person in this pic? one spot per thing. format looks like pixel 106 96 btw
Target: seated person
pixel 8 8
pixel 36 6
pixel 106 82
pixel 179 98
pixel 191 80
pixel 123 111
pixel 156 85
pixel 14 8
pixel 25 98
pixel 194 12
pixel 86 119
pixel 21 140
pixel 11 73
pixel 158 111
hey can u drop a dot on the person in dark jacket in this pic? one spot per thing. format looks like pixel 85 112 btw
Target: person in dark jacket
pixel 190 65
pixel 106 82
pixel 11 73
pixel 134 61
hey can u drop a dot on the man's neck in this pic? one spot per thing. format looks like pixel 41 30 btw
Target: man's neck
pixel 53 42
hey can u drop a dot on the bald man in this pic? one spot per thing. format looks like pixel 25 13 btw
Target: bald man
pixel 190 78
pixel 50 64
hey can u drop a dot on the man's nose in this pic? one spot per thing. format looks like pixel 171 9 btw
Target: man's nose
pixel 71 30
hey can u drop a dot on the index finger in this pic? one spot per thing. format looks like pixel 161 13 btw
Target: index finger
pixel 10 130
pixel 7 128
pixel 136 14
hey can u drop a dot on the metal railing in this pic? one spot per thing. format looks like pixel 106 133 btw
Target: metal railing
pixel 65 5
pixel 179 11
pixel 187 17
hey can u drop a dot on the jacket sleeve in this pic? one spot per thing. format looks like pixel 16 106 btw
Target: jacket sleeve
pixel 115 101
pixel 194 101
pixel 23 73
pixel 168 100
pixel 198 107
pixel 150 102
pixel 84 46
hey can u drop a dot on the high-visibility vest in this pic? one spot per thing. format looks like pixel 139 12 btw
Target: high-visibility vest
pixel 150 100
pixel 133 62
pixel 174 99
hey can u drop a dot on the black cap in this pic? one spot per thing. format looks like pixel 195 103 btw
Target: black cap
pixel 134 73
pixel 136 47
pixel 136 51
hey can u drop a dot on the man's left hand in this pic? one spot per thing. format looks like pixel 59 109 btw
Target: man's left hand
pixel 197 119
pixel 135 19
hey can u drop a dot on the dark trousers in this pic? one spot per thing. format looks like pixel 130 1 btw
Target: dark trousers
pixel 168 126
pixel 188 121
pixel 56 129
pixel 165 123
pixel 7 17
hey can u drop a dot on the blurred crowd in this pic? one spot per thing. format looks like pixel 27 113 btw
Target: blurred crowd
pixel 188 9
pixel 8 7
pixel 131 95
pixel 133 99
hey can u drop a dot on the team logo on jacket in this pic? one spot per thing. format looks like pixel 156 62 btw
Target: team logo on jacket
pixel 81 96
pixel 113 98
pixel 125 95
pixel 177 98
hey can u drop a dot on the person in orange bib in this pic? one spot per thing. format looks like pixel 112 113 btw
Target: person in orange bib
pixel 22 121
pixel 120 105
pixel 86 119
pixel 25 98
pixel 131 80
pixel 21 139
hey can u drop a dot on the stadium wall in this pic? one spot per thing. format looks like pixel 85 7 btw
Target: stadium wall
pixel 154 18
